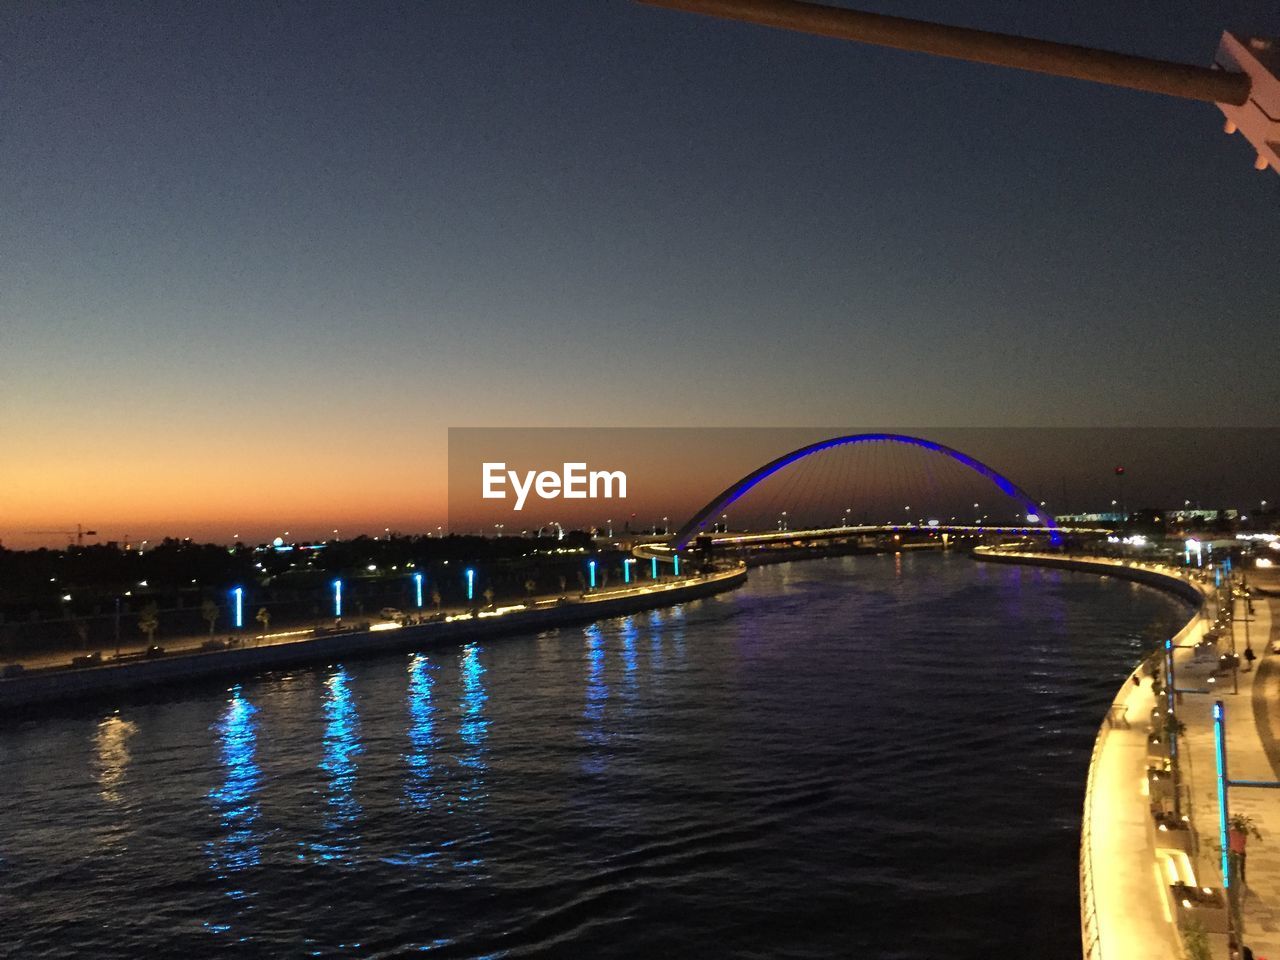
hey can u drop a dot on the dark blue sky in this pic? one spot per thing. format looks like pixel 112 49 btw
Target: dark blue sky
pixel 231 228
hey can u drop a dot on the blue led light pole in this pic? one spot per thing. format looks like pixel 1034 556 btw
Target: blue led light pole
pixel 591 573
pixel 653 567
pixel 471 583
pixel 417 587
pixel 237 607
pixel 337 598
pixel 675 560
pixel 1220 756
pixel 626 569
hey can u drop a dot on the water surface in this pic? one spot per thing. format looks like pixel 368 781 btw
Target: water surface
pixel 871 756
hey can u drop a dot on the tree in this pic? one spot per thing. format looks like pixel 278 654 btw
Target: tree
pixel 149 621
pixel 264 618
pixel 488 595
pixel 530 585
pixel 209 610
pixel 436 600
pixel 81 628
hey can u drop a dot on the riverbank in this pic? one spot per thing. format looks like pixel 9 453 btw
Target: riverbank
pixel 75 686
pixel 1130 866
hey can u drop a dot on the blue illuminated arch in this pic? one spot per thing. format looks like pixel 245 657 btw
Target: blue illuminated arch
pixel 732 493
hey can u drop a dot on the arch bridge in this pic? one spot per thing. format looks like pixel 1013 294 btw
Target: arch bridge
pixel 1038 521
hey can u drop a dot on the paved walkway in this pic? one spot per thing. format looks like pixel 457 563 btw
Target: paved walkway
pixel 1247 760
pixel 1132 920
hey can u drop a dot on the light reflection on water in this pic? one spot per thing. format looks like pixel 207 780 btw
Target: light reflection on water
pixel 110 766
pixel 111 756
pixel 595 759
pixel 235 802
pixel 630 632
pixel 341 748
pixel 421 790
pixel 473 728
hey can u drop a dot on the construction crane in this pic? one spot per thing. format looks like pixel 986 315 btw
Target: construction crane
pixel 1244 81
pixel 75 536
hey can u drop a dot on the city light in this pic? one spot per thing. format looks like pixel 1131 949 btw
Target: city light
pixel 471 584
pixel 675 561
pixel 626 569
pixel 653 568
pixel 417 586
pixel 237 607
pixel 337 598
pixel 591 573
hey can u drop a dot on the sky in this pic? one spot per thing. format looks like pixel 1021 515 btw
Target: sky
pixel 256 259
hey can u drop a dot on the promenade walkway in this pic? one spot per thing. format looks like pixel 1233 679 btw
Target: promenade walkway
pixel 1248 733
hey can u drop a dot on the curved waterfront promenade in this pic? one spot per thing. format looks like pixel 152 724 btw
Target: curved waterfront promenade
pixel 69 686
pixel 1127 866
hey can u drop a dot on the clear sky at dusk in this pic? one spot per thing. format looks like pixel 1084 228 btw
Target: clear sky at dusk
pixel 256 258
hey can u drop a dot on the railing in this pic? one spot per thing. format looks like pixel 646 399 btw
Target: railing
pixel 1091 941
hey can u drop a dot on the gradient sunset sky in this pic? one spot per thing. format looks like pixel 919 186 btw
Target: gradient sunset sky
pixel 255 259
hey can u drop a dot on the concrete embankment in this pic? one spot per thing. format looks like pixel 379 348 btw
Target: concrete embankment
pixel 1170 581
pixel 72 686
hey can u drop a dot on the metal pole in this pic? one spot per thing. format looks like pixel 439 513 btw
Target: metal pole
pixel 1220 755
pixel 1235 661
pixel 981 46
pixel 1171 727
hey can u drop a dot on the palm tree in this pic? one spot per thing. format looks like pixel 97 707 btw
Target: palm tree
pixel 488 595
pixel 149 621
pixel 530 585
pixel 264 618
pixel 436 600
pixel 209 610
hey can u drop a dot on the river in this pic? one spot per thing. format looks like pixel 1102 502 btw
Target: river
pixel 855 757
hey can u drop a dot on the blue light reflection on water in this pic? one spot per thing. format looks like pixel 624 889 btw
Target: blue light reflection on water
pixel 473 728
pixel 630 633
pixel 341 748
pixel 655 641
pixel 469 832
pixel 235 800
pixel 421 789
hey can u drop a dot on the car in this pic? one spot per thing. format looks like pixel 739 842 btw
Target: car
pixel 390 613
